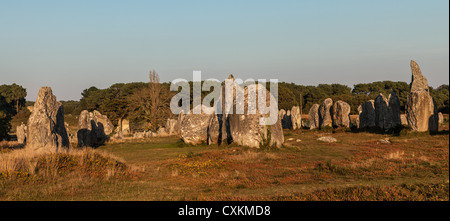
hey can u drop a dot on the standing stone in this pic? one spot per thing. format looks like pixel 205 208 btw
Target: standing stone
pixel 124 126
pixel 394 108
pixel 179 120
pixel 216 130
pixel 367 115
pixel 383 117
pixel 46 123
pixel 194 127
pixel 21 133
pixel 341 114
pixel 403 119
pixel 421 111
pixel 314 117
pixel 93 128
pixel 281 113
pixel 72 137
pixel 296 118
pixel 149 134
pixel 161 132
pixel 245 129
pixel 357 118
pixel 327 139
pixel 325 118
pixel 108 127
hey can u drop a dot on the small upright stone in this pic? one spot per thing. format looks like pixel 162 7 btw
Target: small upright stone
pixel 171 126
pixel 93 128
pixel 327 139
pixel 403 119
pixel 441 118
pixel 108 126
pixel 123 126
pixel 325 118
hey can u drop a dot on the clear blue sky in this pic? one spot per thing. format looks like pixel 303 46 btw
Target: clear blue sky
pixel 72 45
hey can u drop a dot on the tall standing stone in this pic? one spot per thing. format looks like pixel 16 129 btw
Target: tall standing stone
pixel 394 108
pixel 45 125
pixel 421 111
pixel 314 117
pixel 367 114
pixel 245 129
pixel 383 116
pixel 296 118
pixel 325 118
pixel 341 114
pixel 216 130
pixel 93 128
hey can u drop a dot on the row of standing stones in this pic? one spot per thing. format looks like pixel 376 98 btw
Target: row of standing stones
pixel 384 113
pixel 46 128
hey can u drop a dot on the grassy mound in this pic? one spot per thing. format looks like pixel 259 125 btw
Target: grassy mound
pixel 30 166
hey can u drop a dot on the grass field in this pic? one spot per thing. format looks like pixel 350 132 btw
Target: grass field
pixel 359 166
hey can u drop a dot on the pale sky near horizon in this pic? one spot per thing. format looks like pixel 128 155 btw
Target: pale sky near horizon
pixel 73 45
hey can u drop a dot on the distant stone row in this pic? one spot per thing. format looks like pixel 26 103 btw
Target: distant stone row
pixel 383 113
pixel 329 114
pixel 421 110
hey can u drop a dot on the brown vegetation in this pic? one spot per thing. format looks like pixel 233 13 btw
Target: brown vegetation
pixel 413 166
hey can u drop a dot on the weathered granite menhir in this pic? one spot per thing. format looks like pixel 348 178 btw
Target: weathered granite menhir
pixel 93 129
pixel 219 124
pixel 45 127
pixel 421 111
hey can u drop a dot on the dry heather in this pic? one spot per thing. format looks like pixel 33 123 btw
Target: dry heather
pixel 42 166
